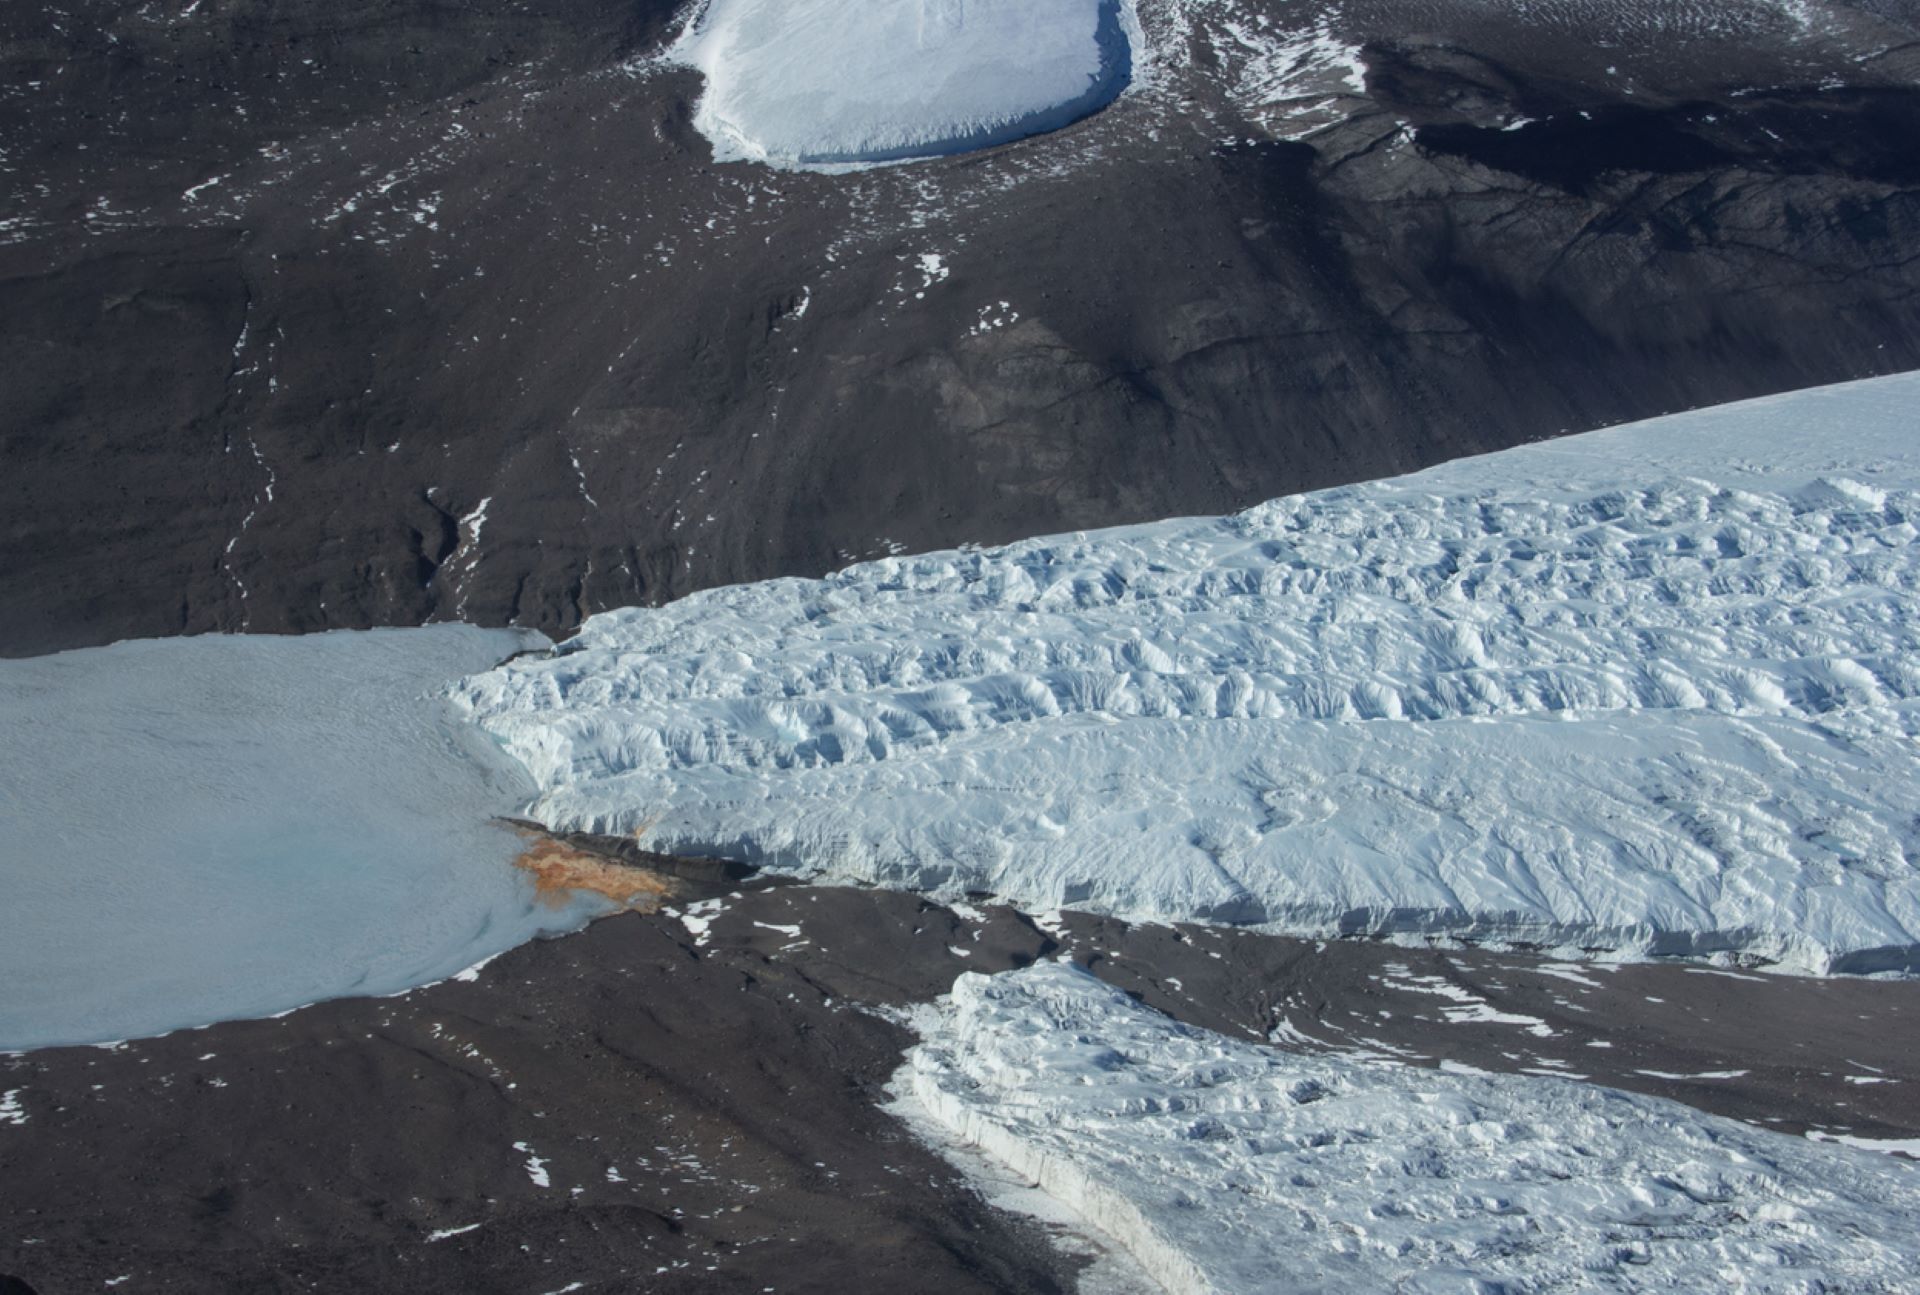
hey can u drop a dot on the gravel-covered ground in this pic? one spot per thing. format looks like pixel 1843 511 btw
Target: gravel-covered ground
pixel 663 1104
pixel 331 314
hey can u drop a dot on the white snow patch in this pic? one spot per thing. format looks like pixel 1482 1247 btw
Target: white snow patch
pixel 1226 1166
pixel 192 195
pixel 473 521
pixel 1054 924
pixel 536 1167
pixel 1471 1010
pixel 1286 1034
pixel 997 315
pixel 1485 1014
pixel 837 82
pixel 1886 1146
pixel 698 918
pixel 1562 971
pixel 11 1111
pixel 1655 688
pixel 471 974
pixel 442 1234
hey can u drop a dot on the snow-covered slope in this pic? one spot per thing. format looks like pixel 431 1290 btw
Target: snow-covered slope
pixel 1650 688
pixel 199 829
pixel 807 82
pixel 1225 1166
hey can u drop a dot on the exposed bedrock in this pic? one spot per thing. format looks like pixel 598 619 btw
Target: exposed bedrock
pixel 372 314
pixel 670 1105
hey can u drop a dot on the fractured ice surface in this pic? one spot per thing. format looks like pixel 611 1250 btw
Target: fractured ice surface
pixel 847 81
pixel 206 828
pixel 1651 688
pixel 1227 1166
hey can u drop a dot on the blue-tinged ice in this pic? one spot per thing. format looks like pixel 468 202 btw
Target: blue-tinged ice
pixel 210 828
pixel 837 82
pixel 1654 690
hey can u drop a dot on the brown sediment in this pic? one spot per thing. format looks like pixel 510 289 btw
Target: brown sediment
pixel 560 871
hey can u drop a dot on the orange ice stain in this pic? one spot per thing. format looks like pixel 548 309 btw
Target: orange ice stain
pixel 559 871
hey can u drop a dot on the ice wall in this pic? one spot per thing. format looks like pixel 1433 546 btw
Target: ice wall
pixel 1652 689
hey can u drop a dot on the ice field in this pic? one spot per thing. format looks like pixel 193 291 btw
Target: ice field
pixel 1647 690
pixel 827 82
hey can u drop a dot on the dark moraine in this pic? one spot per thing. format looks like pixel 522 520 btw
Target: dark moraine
pixel 324 313
pixel 710 1109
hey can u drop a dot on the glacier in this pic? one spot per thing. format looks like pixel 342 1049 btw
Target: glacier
pixel 211 828
pixel 1644 691
pixel 1225 1166
pixel 812 83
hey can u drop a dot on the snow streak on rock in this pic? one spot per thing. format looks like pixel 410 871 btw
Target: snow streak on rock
pixel 1649 689
pixel 1294 79
pixel 810 82
pixel 1226 1166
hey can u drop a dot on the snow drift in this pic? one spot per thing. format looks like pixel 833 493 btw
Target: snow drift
pixel 1230 1167
pixel 1650 689
pixel 810 82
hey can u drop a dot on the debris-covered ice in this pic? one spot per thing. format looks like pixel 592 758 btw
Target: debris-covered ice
pixel 199 829
pixel 1649 689
pixel 809 82
pixel 1227 1166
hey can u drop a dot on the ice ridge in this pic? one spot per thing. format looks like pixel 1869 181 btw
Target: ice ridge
pixel 1224 1166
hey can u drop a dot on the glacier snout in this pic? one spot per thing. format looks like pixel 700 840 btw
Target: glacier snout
pixel 829 82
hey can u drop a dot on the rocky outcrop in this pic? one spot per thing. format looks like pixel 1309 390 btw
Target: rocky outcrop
pixel 348 315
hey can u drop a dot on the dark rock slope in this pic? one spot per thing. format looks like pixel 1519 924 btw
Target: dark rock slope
pixel 637 1108
pixel 329 314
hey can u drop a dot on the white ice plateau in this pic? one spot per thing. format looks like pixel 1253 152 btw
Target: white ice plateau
pixel 202 829
pixel 1224 1166
pixel 836 82
pixel 1650 689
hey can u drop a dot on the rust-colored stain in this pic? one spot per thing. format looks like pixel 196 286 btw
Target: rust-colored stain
pixel 559 870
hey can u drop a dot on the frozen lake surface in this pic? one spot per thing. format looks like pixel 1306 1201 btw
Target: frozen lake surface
pixel 209 828
pixel 837 82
